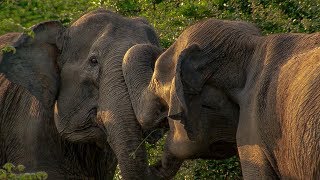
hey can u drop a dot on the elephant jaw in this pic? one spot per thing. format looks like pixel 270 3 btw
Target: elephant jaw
pixel 91 133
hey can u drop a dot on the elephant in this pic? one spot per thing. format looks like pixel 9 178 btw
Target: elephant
pixel 93 93
pixel 29 82
pixel 148 73
pixel 269 82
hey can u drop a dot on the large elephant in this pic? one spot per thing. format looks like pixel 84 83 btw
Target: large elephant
pixel 270 82
pixel 29 81
pixel 93 92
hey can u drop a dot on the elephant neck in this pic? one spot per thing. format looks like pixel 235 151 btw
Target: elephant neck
pixel 271 53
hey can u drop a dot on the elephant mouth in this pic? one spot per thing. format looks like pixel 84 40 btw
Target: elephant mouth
pixel 89 134
pixel 153 135
pixel 91 131
pixel 92 114
pixel 96 122
pixel 162 121
pixel 92 123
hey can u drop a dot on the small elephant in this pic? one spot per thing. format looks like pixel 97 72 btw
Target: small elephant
pixel 266 86
pixel 29 81
pixel 93 98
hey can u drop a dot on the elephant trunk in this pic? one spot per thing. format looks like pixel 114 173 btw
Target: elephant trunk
pixel 138 65
pixel 125 137
pixel 123 130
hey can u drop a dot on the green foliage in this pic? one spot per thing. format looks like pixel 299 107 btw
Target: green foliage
pixel 170 18
pixel 210 169
pixel 199 169
pixel 15 15
pixel 218 169
pixel 7 49
pixel 13 172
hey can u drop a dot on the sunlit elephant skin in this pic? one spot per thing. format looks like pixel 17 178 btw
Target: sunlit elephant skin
pixel 219 116
pixel 269 82
pixel 29 82
pixel 150 95
pixel 93 99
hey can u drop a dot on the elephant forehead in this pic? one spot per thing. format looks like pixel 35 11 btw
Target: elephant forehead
pixel 103 39
pixel 93 17
pixel 100 19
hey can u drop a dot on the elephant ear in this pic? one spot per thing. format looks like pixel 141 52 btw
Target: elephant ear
pixel 185 96
pixel 31 63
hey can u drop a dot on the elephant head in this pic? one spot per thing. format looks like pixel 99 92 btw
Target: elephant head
pixel 29 83
pixel 184 84
pixel 93 102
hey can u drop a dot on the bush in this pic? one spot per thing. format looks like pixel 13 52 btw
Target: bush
pixel 11 171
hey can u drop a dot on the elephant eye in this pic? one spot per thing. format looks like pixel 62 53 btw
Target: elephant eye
pixel 93 61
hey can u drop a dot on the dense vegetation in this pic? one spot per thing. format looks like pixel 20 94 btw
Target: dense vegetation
pixel 170 17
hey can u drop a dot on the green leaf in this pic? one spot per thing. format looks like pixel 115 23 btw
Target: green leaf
pixel 21 168
pixel 8 167
pixel 3 176
pixel 7 49
pixel 2 171
pixel 42 175
pixel 29 32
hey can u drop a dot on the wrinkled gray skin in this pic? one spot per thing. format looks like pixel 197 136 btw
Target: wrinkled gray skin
pixel 150 95
pixel 28 88
pixel 270 83
pixel 93 92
